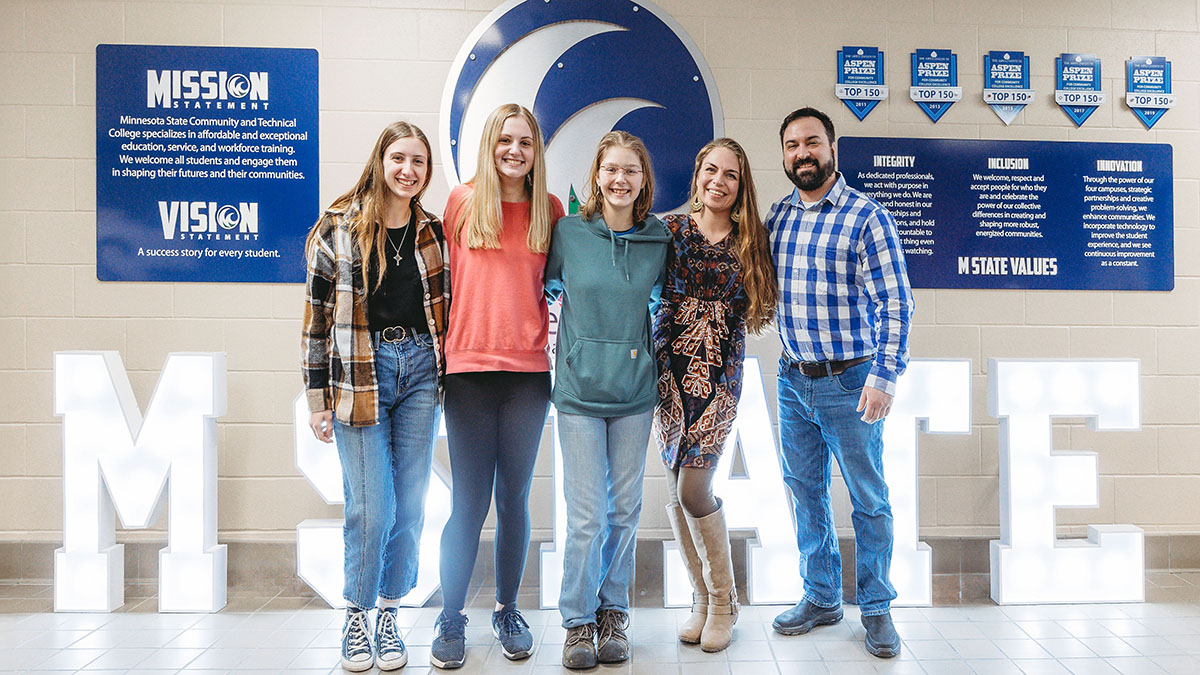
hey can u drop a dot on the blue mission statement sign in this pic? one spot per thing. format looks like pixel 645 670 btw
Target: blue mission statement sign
pixel 1023 214
pixel 206 162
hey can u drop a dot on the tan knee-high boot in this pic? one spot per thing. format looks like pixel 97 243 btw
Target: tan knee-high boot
pixel 691 629
pixel 712 545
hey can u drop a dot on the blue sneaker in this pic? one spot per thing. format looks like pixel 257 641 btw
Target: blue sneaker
pixel 356 643
pixel 511 629
pixel 390 653
pixel 449 649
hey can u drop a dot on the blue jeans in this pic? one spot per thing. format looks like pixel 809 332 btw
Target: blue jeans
pixel 818 422
pixel 385 474
pixel 604 460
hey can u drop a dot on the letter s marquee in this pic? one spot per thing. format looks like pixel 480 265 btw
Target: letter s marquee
pixel 320 548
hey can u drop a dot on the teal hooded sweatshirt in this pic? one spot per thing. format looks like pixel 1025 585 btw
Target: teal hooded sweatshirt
pixel 604 362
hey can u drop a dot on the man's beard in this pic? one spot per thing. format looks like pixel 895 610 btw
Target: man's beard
pixel 813 180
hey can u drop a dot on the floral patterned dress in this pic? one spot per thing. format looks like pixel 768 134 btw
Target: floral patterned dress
pixel 699 342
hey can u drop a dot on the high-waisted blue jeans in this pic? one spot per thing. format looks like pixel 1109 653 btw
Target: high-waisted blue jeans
pixel 385 474
pixel 818 422
pixel 604 460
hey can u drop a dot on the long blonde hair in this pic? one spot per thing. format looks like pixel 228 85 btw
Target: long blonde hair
pixel 595 200
pixel 751 246
pixel 370 194
pixel 483 218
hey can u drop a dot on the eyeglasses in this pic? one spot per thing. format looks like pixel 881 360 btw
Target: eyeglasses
pixel 614 171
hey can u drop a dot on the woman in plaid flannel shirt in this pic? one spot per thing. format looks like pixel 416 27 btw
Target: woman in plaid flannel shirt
pixel 374 322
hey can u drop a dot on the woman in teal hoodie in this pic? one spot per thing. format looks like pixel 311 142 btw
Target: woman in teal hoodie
pixel 608 263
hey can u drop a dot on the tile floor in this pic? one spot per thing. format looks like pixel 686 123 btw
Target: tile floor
pixel 300 634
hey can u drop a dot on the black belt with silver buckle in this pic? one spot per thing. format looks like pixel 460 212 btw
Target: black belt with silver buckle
pixel 397 333
pixel 826 368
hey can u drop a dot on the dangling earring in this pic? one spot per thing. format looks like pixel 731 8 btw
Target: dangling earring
pixel 736 215
pixel 696 205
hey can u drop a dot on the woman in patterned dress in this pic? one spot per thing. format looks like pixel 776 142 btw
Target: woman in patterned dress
pixel 720 281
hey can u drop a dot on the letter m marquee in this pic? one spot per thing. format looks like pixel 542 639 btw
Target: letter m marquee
pixel 113 458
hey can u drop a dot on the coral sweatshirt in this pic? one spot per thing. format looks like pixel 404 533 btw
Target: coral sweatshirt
pixel 498 315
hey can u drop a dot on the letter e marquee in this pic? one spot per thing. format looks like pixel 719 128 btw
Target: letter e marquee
pixel 1029 564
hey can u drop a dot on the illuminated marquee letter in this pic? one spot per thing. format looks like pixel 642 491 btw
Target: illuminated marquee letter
pixel 320 548
pixel 112 457
pixel 551 552
pixel 1028 564
pixel 937 395
pixel 759 502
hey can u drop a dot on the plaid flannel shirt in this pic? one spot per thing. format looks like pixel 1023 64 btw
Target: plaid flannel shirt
pixel 336 354
pixel 843 288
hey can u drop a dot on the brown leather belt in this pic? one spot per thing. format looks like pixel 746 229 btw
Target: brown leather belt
pixel 825 368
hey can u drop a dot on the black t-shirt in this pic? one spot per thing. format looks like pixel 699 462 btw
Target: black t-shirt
pixel 400 299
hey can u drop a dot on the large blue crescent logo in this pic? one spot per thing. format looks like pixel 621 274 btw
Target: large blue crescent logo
pixel 584 67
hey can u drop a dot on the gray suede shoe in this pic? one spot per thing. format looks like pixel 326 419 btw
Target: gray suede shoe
pixel 579 650
pixel 612 645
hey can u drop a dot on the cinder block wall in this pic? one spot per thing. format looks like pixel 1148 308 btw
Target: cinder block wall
pixel 382 60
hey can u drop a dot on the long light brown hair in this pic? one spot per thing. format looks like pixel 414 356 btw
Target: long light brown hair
pixel 595 200
pixel 751 246
pixel 483 218
pixel 367 226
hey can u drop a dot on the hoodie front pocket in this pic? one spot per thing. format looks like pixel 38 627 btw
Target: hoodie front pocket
pixel 607 371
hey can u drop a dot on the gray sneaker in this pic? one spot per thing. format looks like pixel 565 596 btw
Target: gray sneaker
pixel 579 652
pixel 449 649
pixel 511 629
pixel 612 645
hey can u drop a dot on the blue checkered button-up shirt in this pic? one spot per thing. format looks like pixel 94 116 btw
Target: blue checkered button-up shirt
pixel 843 288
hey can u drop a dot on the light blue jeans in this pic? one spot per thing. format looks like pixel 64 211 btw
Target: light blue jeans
pixel 385 474
pixel 818 422
pixel 604 460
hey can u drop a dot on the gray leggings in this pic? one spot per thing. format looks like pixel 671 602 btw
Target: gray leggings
pixel 691 488
pixel 494 421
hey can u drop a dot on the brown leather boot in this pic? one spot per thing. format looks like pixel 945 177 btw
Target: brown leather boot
pixel 712 545
pixel 691 629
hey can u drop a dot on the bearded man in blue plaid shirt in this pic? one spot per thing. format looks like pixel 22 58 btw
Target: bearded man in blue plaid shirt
pixel 844 311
